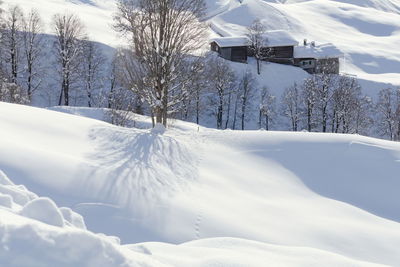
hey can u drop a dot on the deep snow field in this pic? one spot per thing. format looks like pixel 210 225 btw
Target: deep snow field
pixel 229 198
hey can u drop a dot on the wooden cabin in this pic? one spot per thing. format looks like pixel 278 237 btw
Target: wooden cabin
pixel 231 48
pixel 318 59
pixel 281 48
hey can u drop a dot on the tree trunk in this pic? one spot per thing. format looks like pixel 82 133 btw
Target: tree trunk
pixel 309 117
pixel 61 95
pixel 235 114
pixel 243 111
pixel 159 115
pixel 229 110
pixel 324 119
pixel 197 107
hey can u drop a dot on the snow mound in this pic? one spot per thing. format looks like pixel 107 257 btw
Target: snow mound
pixel 18 193
pixel 31 244
pixel 239 252
pixel 158 129
pixel 41 234
pixel 44 210
pixel 19 200
pixel 73 218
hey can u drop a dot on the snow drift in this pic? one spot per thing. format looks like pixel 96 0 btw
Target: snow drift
pixel 325 195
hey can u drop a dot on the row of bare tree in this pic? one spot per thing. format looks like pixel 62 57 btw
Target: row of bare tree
pixel 321 103
pixel 162 74
pixel 29 58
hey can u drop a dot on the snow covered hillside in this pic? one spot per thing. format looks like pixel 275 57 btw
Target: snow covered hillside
pixel 293 199
pixel 366 31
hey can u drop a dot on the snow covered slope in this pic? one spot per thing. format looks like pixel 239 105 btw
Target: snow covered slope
pixel 331 197
pixel 367 31
pixel 95 14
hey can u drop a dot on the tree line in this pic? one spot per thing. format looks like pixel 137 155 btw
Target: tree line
pixel 31 59
pixel 163 74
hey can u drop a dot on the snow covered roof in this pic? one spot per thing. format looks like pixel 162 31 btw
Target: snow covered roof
pixel 275 38
pixel 320 51
pixel 232 41
pixel 280 38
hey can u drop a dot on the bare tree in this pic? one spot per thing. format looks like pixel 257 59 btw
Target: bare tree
pixel 113 78
pixel 2 46
pixel 346 100
pixel 310 101
pixel 267 108
pixel 388 108
pixel 325 84
pixel 291 105
pixel 193 103
pixel 162 34
pixel 258 42
pixel 121 105
pixel 12 41
pixel 69 32
pixel 92 72
pixel 198 85
pixel 364 116
pixel 397 115
pixel 120 100
pixel 221 81
pixel 246 92
pixel 32 46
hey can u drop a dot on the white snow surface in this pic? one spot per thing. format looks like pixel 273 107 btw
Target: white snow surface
pixel 232 41
pixel 318 52
pixel 249 198
pixel 280 38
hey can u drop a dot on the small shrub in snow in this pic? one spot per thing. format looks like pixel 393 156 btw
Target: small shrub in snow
pixel 44 210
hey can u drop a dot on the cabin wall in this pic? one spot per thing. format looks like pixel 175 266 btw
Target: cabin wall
pixel 285 61
pixel 239 54
pixel 275 52
pixel 226 52
pixel 282 52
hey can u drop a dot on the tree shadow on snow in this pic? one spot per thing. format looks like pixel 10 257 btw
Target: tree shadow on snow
pixel 136 168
